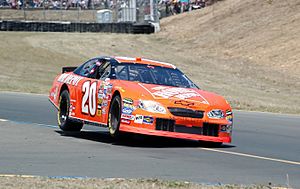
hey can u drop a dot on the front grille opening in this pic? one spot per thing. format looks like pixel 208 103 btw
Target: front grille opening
pixel 165 124
pixel 188 130
pixel 169 125
pixel 184 112
pixel 210 129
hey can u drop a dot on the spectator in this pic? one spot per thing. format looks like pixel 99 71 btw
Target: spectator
pixel 83 4
pixel 55 5
pixel 176 7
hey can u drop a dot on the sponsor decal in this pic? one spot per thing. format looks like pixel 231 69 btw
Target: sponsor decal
pixel 129 106
pixel 71 108
pixel 108 96
pixel 99 112
pixel 107 81
pixel 184 103
pixel 104 111
pixel 138 119
pixel 105 90
pixel 226 128
pixel 99 106
pixel 126 116
pixel 127 110
pixel 108 86
pixel 54 94
pixel 69 79
pixel 109 90
pixel 176 92
pixel 104 103
pixel 229 128
pixel 100 94
pixel 148 120
pixel 127 101
pixel 223 128
pixel 125 121
pixel 100 100
pixel 229 116
pixel 159 88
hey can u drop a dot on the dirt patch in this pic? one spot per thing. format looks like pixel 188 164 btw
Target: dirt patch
pixel 245 50
pixel 45 183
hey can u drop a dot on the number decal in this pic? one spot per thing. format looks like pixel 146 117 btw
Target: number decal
pixel 92 99
pixel 88 105
pixel 85 90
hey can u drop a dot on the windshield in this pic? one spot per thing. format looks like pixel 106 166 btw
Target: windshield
pixel 153 75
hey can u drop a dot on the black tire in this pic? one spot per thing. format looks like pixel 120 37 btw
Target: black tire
pixel 114 117
pixel 63 119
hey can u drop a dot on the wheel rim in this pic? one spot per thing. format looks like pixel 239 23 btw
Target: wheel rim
pixel 114 116
pixel 63 110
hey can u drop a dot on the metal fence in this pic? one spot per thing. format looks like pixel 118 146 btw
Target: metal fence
pixel 99 11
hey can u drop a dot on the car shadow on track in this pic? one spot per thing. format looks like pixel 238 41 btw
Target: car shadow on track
pixel 137 140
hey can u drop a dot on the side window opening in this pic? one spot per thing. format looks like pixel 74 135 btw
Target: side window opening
pixel 95 69
pixel 122 72
pixel 87 69
pixel 104 70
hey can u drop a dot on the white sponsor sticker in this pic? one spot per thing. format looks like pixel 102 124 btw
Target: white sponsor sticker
pixel 128 117
pixel 69 79
pixel 138 119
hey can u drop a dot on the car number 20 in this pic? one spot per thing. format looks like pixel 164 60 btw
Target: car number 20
pixel 88 105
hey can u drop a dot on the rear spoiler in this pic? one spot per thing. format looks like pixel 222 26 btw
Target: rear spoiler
pixel 68 69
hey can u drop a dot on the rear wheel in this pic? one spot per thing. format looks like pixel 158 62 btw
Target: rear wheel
pixel 114 116
pixel 63 119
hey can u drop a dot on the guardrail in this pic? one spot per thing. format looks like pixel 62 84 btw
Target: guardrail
pixel 76 27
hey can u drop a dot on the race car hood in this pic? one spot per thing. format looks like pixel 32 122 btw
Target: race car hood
pixel 176 96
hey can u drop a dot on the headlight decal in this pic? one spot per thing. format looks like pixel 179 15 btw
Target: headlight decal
pixel 216 114
pixel 152 106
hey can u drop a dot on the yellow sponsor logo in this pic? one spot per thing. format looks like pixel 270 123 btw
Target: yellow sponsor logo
pixel 99 112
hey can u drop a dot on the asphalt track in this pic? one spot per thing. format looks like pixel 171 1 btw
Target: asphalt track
pixel 265 149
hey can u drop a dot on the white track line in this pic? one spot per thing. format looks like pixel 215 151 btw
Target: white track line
pixel 252 156
pixel 3 120
pixel 21 176
pixel 23 93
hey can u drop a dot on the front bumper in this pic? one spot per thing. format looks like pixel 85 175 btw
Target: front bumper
pixel 146 131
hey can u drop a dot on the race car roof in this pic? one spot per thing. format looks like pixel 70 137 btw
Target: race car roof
pixel 144 61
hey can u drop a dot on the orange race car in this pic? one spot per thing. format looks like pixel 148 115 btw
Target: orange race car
pixel 139 96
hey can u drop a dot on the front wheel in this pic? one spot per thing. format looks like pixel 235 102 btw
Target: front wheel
pixel 114 116
pixel 63 119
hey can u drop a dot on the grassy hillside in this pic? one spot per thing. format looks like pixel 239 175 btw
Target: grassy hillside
pixel 246 50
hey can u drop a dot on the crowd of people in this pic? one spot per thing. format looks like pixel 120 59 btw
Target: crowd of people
pixel 171 6
pixel 178 6
pixel 56 4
